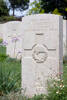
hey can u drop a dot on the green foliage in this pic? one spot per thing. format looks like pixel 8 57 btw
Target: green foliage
pixel 4 11
pixel 63 8
pixel 37 97
pixel 2 50
pixel 7 18
pixel 65 73
pixel 44 6
pixel 50 5
pixel 57 90
pixel 65 59
pixel 58 7
pixel 19 96
pixel 8 81
pixel 1 40
pixel 20 4
pixel 53 93
pixel 56 11
pixel 35 8
pixel 3 57
pixel 10 77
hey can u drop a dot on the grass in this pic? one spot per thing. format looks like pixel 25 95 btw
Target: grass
pixel 12 64
pixel 9 64
pixel 65 73
pixel 2 50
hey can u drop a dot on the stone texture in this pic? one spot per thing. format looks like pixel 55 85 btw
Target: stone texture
pixel 42 51
pixel 12 35
pixel 64 37
pixel 1 30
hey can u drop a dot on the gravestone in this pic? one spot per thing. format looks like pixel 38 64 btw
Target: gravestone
pixel 64 38
pixel 42 51
pixel 12 35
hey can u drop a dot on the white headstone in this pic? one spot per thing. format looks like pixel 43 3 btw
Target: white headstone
pixel 42 51
pixel 12 35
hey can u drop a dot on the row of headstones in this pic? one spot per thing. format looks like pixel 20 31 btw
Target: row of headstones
pixel 12 34
pixel 39 39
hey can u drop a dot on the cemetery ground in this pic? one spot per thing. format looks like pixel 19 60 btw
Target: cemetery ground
pixel 10 77
pixel 10 73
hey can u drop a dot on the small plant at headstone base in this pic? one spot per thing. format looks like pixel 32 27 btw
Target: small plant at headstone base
pixel 37 97
pixel 19 96
pixel 16 96
pixel 57 90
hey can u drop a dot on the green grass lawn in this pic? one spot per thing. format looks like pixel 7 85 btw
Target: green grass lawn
pixel 8 64
pixel 12 65
pixel 2 50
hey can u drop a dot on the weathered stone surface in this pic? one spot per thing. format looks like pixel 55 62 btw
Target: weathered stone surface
pixel 64 37
pixel 1 30
pixel 42 51
pixel 12 35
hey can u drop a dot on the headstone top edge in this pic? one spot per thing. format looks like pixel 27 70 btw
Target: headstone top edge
pixel 13 22
pixel 42 15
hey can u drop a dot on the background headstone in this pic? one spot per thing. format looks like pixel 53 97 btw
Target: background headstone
pixel 42 51
pixel 12 35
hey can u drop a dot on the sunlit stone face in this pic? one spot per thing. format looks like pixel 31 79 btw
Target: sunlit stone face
pixel 42 51
pixel 13 36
